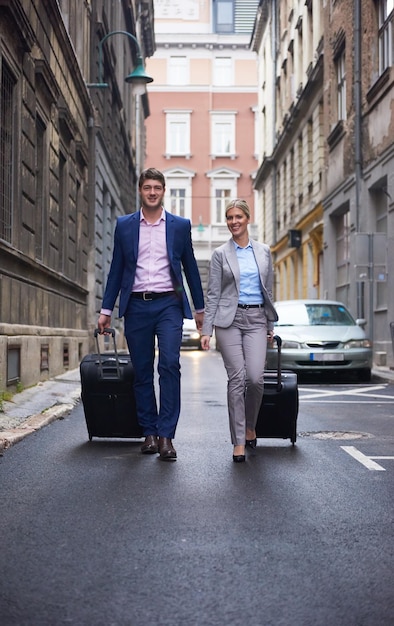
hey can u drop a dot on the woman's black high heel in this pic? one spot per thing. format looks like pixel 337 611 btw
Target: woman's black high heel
pixel 238 458
pixel 251 443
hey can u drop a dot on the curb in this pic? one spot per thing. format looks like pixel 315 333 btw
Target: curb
pixel 386 375
pixel 35 422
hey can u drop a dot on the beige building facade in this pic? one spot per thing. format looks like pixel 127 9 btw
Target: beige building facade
pixel 288 37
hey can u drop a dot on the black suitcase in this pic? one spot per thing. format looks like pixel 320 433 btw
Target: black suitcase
pixel 107 394
pixel 279 408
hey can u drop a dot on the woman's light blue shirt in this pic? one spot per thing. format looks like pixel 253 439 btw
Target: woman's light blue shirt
pixel 249 285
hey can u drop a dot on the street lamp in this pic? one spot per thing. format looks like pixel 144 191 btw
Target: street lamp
pixel 136 77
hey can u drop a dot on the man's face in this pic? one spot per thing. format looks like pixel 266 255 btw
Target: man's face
pixel 152 194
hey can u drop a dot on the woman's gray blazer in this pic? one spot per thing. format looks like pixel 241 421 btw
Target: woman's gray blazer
pixel 223 286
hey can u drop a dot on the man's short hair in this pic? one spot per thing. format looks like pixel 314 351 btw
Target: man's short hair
pixel 151 173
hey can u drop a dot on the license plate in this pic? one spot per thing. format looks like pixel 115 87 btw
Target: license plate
pixel 326 356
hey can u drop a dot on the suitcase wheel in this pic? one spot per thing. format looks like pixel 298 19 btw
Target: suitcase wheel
pixel 293 437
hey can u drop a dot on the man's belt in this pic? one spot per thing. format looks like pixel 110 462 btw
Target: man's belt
pixel 151 295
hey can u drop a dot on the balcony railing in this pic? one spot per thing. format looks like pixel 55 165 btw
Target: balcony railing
pixel 207 238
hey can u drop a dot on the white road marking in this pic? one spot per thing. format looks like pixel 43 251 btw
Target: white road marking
pixel 367 461
pixel 363 392
pixel 320 401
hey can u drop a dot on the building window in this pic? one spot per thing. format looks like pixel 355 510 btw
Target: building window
pixel 386 38
pixel 223 72
pixel 343 238
pixel 283 206
pixel 44 358
pixel 178 201
pixel 178 134
pixel 342 227
pixel 310 155
pixel 292 183
pixel 13 365
pixel 178 70
pixel 300 170
pixel 40 208
pixel 223 189
pixel 222 198
pixel 224 16
pixel 379 202
pixel 58 225
pixel 7 132
pixel 66 355
pixel 341 85
pixel 108 212
pixel 178 197
pixel 223 134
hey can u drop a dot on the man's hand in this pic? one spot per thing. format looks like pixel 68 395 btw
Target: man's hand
pixel 199 317
pixel 104 321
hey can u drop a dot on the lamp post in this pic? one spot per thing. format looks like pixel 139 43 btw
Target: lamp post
pixel 137 77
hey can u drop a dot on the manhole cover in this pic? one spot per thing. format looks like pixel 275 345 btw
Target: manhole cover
pixel 334 434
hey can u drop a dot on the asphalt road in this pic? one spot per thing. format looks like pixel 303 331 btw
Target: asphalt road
pixel 96 533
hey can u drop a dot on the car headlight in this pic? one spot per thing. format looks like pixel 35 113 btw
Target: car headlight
pixel 291 345
pixel 357 343
pixel 195 335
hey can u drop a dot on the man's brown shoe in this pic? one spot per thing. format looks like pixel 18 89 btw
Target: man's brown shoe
pixel 150 446
pixel 166 449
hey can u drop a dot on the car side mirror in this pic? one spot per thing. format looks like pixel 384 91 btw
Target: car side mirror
pixel 361 322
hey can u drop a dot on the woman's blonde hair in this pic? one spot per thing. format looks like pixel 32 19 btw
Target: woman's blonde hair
pixel 239 204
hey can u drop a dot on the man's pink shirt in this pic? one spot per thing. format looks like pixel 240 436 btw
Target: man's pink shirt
pixel 153 266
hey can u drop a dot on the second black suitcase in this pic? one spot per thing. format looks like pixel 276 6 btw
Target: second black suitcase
pixel 279 408
pixel 107 394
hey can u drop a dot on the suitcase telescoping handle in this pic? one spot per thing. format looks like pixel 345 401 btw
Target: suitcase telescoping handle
pixel 279 345
pixel 108 331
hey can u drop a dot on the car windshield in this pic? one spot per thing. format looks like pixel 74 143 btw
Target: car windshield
pixel 300 314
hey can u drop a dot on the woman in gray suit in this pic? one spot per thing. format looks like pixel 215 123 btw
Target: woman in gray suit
pixel 239 306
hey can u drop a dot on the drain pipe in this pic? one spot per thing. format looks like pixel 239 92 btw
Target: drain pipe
pixel 274 52
pixel 357 108
pixel 358 163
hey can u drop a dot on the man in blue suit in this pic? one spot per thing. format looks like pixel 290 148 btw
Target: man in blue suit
pixel 151 247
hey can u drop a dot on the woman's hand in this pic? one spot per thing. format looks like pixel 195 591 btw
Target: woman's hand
pixel 205 342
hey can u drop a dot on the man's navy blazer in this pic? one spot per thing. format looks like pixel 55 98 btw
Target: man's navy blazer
pixel 180 253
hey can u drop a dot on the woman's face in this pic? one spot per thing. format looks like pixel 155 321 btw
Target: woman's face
pixel 237 222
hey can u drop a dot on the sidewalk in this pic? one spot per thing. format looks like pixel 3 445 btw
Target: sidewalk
pixel 38 406
pixel 46 402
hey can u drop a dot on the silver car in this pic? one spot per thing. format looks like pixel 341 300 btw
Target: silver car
pixel 321 336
